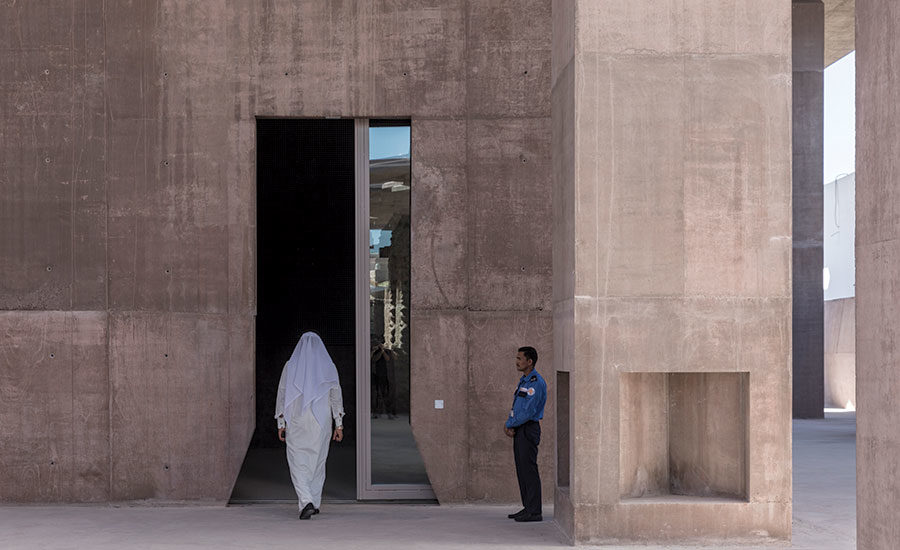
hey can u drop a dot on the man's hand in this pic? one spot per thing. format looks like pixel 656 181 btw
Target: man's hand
pixel 510 432
pixel 338 435
pixel 280 434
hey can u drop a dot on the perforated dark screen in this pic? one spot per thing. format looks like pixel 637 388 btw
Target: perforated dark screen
pixel 305 240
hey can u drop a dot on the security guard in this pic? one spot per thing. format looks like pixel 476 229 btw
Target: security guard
pixel 524 428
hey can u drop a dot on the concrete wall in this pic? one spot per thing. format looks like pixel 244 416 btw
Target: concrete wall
pixel 840 237
pixel 840 353
pixel 127 236
pixel 877 277
pixel 672 255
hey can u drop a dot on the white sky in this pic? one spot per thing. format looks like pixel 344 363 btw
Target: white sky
pixel 840 118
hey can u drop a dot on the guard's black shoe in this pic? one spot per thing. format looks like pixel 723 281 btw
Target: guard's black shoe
pixel 517 514
pixel 307 511
pixel 530 517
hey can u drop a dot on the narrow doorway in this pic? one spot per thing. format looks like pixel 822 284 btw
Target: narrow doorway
pixel 305 281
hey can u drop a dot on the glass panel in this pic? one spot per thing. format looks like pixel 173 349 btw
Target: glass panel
pixel 395 457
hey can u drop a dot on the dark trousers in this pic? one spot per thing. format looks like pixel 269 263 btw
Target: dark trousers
pixel 525 448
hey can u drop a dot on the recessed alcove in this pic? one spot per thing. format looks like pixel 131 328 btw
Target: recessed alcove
pixel 683 435
pixel 563 415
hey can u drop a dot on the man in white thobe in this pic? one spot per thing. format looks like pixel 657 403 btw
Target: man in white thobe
pixel 309 397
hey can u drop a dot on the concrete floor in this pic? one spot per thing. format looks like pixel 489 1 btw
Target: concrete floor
pixel 824 516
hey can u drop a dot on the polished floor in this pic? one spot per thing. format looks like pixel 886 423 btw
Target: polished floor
pixel 265 476
pixel 824 516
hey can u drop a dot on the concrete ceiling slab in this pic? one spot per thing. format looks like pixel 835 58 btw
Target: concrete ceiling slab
pixel 840 34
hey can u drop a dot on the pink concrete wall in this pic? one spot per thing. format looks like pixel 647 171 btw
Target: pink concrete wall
pixel 127 234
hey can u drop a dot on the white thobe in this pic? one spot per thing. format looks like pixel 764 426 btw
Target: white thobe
pixel 308 442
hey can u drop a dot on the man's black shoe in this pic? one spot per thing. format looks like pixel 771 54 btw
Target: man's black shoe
pixel 307 511
pixel 517 514
pixel 530 517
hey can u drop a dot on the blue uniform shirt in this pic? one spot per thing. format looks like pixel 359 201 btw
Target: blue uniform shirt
pixel 528 403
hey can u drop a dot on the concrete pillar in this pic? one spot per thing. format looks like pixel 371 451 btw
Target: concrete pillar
pixel 808 141
pixel 877 275
pixel 672 257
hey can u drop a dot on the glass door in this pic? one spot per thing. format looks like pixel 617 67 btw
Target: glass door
pixel 389 465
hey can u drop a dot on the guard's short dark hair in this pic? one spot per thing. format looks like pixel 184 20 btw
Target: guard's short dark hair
pixel 529 353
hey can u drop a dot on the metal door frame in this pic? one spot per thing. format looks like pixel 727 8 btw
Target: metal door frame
pixel 365 489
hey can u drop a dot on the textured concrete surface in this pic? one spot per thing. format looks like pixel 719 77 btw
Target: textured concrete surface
pixel 672 250
pixel 127 160
pixel 840 353
pixel 54 406
pixel 877 257
pixel 840 29
pixel 824 517
pixel 808 120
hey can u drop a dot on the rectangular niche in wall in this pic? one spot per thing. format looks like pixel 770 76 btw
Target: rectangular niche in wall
pixel 563 408
pixel 683 434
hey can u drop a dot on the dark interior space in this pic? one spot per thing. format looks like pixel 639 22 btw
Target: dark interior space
pixel 305 281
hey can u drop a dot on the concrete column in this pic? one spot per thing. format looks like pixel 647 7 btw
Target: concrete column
pixel 672 257
pixel 808 141
pixel 877 275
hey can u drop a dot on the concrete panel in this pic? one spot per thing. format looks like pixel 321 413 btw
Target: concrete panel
pixel 643 439
pixel 640 110
pixel 52 212
pixel 410 58
pixel 508 58
pixel 673 27
pixel 877 382
pixel 629 27
pixel 737 174
pixel 361 59
pixel 737 27
pixel 493 340
pixel 509 186
pixel 707 434
pixel 439 214
pixel 54 407
pixel 169 413
pixel 840 353
pixel 439 349
pixel 168 236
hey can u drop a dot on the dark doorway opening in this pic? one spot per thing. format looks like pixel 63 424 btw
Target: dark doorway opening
pixel 305 281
